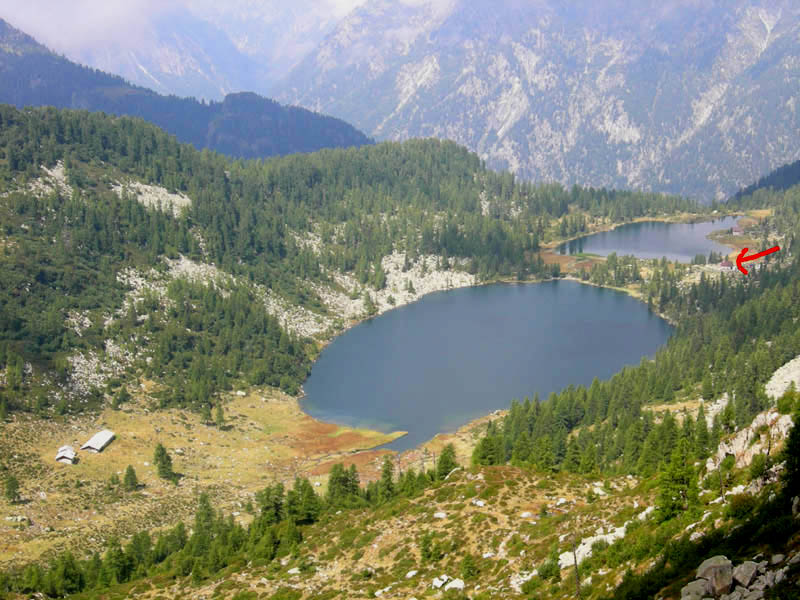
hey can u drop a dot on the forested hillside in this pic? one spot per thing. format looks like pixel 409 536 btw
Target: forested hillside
pixel 242 125
pixel 731 336
pixel 283 231
pixel 127 256
pixel 780 179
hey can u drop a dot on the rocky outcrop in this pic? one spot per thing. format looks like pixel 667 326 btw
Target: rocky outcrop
pixel 718 572
pixel 584 549
pixel 783 378
pixel 685 99
pixel 748 442
pixel 745 573
pixel 153 196
pixel 717 578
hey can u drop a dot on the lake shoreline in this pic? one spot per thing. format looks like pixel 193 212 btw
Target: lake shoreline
pixel 426 439
pixel 683 218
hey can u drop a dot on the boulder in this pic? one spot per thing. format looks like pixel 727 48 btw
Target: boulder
pixel 780 575
pixel 776 559
pixel 294 571
pixel 759 584
pixel 734 595
pixel 753 595
pixel 410 574
pixel 695 590
pixel 769 578
pixel 439 515
pixel 456 584
pixel 718 570
pixel 526 515
pixel 762 566
pixel 745 573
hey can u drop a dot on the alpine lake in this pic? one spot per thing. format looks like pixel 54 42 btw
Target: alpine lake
pixel 453 356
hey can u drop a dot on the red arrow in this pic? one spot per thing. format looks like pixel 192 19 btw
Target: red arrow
pixel 742 258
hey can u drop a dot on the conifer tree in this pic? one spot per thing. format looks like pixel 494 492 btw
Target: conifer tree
pixel 677 483
pixel 701 435
pixel 11 489
pixel 716 433
pixel 522 449
pixel 572 460
pixel 130 481
pixel 791 454
pixel 706 388
pixel 650 455
pixel 163 463
pixel 386 484
pixel 447 462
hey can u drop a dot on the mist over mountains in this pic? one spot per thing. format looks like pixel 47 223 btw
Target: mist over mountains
pixel 198 48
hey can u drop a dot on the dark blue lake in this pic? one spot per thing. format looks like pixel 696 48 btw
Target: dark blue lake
pixel 453 356
pixel 676 241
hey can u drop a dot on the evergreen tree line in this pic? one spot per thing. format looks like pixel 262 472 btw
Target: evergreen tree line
pixel 67 257
pixel 242 125
pixel 63 254
pixel 217 541
pixel 730 339
pixel 420 196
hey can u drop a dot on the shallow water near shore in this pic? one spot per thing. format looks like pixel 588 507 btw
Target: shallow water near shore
pixel 651 239
pixel 453 356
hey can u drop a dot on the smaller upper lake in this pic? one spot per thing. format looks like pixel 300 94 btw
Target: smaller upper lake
pixel 650 239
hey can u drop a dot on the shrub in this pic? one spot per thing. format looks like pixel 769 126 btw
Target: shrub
pixel 740 506
pixel 758 467
pixel 550 569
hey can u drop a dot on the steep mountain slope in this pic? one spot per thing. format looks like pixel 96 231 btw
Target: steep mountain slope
pixel 692 98
pixel 275 34
pixel 243 125
pixel 200 48
pixel 159 45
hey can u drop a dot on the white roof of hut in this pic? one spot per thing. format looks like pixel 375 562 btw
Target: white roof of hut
pixel 99 440
pixel 66 454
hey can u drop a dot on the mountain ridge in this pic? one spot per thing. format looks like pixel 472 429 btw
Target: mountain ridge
pixel 571 94
pixel 243 125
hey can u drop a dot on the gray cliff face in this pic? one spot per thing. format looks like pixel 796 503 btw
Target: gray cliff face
pixel 696 98
pixel 178 54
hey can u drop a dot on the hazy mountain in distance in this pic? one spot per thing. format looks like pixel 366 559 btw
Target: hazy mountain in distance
pixel 200 48
pixel 681 96
pixel 242 125
pixel 181 55
pixel 275 33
